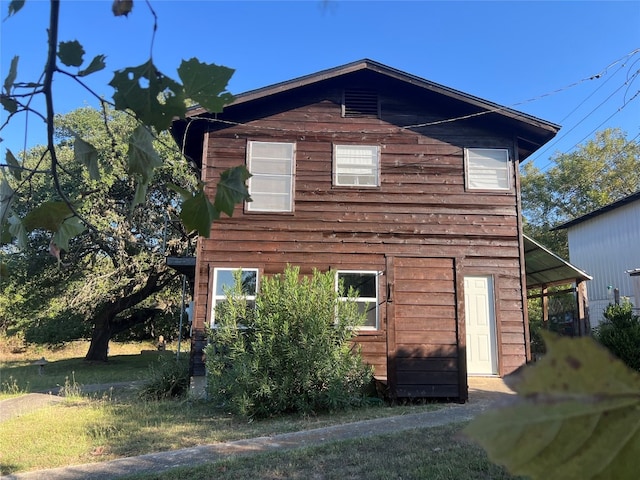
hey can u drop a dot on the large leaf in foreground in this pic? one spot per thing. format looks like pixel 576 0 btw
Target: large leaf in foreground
pixel 47 216
pixel 68 229
pixel 232 189
pixel 198 213
pixel 206 83
pixel 576 416
pixel 155 98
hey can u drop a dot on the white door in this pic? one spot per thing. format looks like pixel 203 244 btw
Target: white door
pixel 482 357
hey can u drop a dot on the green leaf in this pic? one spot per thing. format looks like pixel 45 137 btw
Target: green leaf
pixel 6 199
pixel 206 83
pixel 577 415
pixel 232 189
pixel 96 65
pixel 71 53
pixel 68 229
pixel 15 6
pixel 198 213
pixel 14 165
pixel 17 230
pixel 11 76
pixel 141 193
pixel 47 216
pixel 5 234
pixel 142 160
pixel 9 104
pixel 154 98
pixel 142 157
pixel 184 193
pixel 87 154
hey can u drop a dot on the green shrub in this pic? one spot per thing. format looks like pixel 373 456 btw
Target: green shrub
pixel 168 378
pixel 620 333
pixel 291 353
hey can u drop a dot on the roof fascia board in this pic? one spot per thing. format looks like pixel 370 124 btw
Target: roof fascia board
pixel 607 208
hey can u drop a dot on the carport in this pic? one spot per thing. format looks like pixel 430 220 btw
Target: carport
pixel 545 269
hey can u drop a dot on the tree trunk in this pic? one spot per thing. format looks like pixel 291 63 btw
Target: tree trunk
pixel 107 322
pixel 99 348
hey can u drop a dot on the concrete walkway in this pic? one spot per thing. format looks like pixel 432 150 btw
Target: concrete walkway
pixel 483 393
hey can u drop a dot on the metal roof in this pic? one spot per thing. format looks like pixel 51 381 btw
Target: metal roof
pixel 544 267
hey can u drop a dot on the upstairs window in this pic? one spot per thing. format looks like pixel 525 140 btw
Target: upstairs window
pixel 365 283
pixel 271 185
pixel 356 165
pixel 487 169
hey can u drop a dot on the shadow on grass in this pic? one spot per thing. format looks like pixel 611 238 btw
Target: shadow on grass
pixel 119 368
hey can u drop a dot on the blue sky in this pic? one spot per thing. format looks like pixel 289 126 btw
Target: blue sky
pixel 536 57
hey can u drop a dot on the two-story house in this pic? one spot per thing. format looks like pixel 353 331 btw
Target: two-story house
pixel 407 189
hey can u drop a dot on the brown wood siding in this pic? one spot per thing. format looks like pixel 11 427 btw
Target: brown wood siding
pixel 420 209
pixel 423 359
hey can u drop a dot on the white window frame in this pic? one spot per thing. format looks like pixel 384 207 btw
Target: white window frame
pixel 372 302
pixel 258 174
pixel 493 175
pixel 219 297
pixel 343 169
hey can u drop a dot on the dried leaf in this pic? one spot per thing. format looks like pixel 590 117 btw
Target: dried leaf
pixel 122 7
pixel 577 415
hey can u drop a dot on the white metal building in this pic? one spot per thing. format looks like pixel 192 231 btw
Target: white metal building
pixel 606 244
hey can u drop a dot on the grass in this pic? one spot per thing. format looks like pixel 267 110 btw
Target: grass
pixel 86 429
pixel 18 374
pixel 99 427
pixel 438 453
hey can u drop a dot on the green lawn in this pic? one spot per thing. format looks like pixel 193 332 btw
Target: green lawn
pixel 438 453
pixel 18 374
pixel 98 427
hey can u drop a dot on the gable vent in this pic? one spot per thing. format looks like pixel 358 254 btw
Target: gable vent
pixel 360 103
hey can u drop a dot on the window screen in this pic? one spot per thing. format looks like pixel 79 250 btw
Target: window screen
pixel 487 169
pixel 271 184
pixel 356 165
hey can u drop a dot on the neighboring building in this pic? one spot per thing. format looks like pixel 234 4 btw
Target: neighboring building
pixel 606 243
pixel 403 187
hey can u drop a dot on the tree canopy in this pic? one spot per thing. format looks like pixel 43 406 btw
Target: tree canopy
pixel 150 97
pixel 598 172
pixel 107 280
pixel 105 192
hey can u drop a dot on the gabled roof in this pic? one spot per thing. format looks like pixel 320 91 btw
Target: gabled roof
pixel 607 208
pixel 544 267
pixel 530 131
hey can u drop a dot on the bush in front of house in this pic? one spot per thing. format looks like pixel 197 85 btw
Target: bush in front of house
pixel 291 353
pixel 168 378
pixel 620 333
